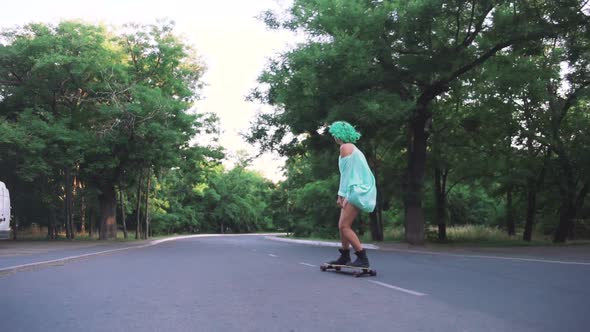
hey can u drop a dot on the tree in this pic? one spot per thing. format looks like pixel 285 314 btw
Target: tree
pixel 237 201
pixel 47 76
pixel 143 123
pixel 404 55
pixel 96 107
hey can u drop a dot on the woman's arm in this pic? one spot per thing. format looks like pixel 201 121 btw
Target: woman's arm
pixel 346 149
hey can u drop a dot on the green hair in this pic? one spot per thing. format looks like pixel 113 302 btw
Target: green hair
pixel 344 131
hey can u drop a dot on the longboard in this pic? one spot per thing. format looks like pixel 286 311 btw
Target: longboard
pixel 357 271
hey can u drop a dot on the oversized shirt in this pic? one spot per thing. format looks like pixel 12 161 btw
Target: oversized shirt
pixel 357 183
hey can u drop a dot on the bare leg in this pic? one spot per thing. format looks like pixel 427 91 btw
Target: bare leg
pixel 344 241
pixel 347 235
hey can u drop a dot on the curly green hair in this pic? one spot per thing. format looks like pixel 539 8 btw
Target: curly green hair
pixel 344 131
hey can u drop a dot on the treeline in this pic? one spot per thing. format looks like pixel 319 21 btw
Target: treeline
pixel 472 112
pixel 95 136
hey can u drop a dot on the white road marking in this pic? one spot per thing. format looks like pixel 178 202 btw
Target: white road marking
pixel 149 244
pixel 529 260
pixel 317 243
pixel 397 288
pixel 308 264
pixel 426 252
pixel 66 259
pixel 271 255
pixel 522 259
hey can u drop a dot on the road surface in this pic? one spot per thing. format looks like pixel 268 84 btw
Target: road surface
pixel 251 283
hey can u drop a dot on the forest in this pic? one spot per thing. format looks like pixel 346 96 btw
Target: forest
pixel 472 113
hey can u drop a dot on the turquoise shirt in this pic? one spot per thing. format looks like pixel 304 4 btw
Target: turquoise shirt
pixel 357 183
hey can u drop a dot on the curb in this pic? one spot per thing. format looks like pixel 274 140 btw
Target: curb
pixel 429 252
pixel 317 243
pixel 61 261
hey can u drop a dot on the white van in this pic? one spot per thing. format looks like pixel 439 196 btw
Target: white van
pixel 4 212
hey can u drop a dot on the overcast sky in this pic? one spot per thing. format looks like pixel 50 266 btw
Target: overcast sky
pixel 233 44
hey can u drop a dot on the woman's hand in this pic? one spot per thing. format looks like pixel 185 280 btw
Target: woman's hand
pixel 343 203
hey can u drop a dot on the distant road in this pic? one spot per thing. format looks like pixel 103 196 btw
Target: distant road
pixel 250 283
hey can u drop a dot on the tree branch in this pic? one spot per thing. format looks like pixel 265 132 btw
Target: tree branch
pixel 11 83
pixel 471 36
pixel 571 99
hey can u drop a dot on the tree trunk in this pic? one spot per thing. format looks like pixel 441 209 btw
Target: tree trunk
pixel 146 206
pixel 82 213
pixel 440 184
pixel 122 205
pixel 90 223
pixel 73 206
pixel 68 202
pixel 138 208
pixel 567 191
pixel 361 227
pixel 579 204
pixel 14 224
pixel 108 211
pixel 510 225
pixel 376 225
pixel 530 213
pixel 582 196
pixel 414 214
pixel 567 213
pixel 376 216
pixel 49 228
pixel 566 216
pixel 532 189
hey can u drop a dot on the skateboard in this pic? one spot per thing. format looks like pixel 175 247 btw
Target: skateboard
pixel 357 271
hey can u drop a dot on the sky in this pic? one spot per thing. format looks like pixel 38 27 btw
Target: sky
pixel 233 44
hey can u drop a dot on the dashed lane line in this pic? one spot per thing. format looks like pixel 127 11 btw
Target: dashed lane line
pixel 306 264
pixel 404 290
pixel 400 289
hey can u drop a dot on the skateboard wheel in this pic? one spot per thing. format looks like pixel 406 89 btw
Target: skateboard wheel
pixel 323 268
pixel 373 273
pixel 337 268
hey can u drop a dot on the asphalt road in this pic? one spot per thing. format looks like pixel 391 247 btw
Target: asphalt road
pixel 250 283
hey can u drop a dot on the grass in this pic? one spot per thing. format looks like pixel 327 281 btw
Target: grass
pixel 486 236
pixel 41 235
pixel 473 235
pixel 466 235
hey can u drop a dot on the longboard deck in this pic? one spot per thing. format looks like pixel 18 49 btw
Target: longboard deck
pixel 358 271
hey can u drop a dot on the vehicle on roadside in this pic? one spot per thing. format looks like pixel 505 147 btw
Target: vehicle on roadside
pixel 4 212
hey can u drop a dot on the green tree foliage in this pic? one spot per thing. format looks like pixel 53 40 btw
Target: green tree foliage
pixel 48 75
pixel 389 67
pixel 237 201
pixel 86 112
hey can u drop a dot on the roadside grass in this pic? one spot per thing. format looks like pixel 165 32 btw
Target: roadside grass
pixel 36 235
pixel 465 235
pixel 480 235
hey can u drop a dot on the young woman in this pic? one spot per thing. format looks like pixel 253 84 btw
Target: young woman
pixel 356 193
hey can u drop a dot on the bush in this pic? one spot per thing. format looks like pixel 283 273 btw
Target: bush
pixel 473 207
